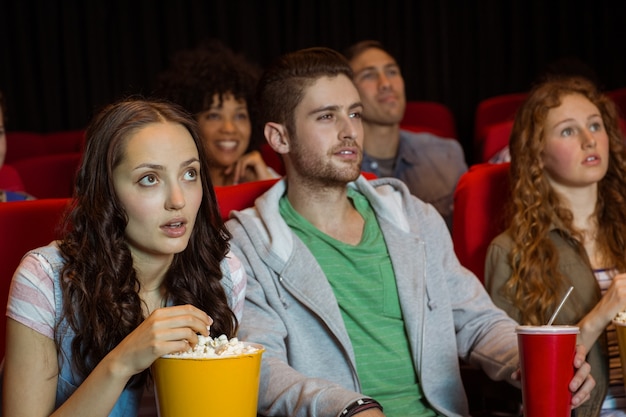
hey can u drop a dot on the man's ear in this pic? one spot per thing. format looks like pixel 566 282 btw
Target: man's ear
pixel 276 136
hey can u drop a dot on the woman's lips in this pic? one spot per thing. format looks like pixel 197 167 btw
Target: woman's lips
pixel 592 160
pixel 175 228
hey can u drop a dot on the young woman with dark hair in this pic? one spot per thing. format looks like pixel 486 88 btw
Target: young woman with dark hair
pixel 143 268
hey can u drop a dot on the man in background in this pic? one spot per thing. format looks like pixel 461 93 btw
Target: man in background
pixel 429 165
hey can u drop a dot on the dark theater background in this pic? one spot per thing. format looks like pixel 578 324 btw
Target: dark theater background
pixel 62 59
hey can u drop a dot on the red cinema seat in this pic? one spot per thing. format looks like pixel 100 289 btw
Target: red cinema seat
pixel 426 129
pixel 240 196
pixel 619 97
pixel 496 138
pixel 22 145
pixel 9 179
pixel 49 176
pixel 25 225
pixel 65 141
pixel 431 116
pixel 494 110
pixel 479 201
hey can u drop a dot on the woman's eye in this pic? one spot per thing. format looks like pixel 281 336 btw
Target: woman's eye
pixel 148 180
pixel 596 127
pixel 242 116
pixel 191 175
pixel 567 131
pixel 213 116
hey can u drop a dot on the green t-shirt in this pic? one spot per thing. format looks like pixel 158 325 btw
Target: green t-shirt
pixel 363 281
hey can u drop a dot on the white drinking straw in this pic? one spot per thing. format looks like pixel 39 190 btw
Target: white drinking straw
pixel 560 305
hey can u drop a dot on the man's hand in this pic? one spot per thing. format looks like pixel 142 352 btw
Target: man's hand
pixel 582 383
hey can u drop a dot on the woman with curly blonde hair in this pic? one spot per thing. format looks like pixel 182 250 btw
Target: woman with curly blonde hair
pixel 568 223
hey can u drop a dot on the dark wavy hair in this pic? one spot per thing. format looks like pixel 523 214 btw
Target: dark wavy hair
pixel 100 287
pixel 536 284
pixel 196 75
pixel 282 85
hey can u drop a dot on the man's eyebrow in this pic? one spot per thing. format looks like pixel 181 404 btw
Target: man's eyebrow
pixel 334 107
pixel 355 105
pixel 330 107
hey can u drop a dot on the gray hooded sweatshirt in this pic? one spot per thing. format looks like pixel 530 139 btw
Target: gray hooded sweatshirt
pixel 308 368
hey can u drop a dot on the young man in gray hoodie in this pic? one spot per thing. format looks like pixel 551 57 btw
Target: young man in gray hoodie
pixel 354 288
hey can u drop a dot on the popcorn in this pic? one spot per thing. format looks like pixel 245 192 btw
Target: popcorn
pixel 620 317
pixel 218 347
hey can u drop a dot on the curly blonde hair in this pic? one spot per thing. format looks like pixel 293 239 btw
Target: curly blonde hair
pixel 535 285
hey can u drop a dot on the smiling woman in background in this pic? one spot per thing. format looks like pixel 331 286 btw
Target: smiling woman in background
pixel 144 268
pixel 218 87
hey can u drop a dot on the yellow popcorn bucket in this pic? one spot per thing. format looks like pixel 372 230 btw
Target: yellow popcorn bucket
pixel 620 329
pixel 208 387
